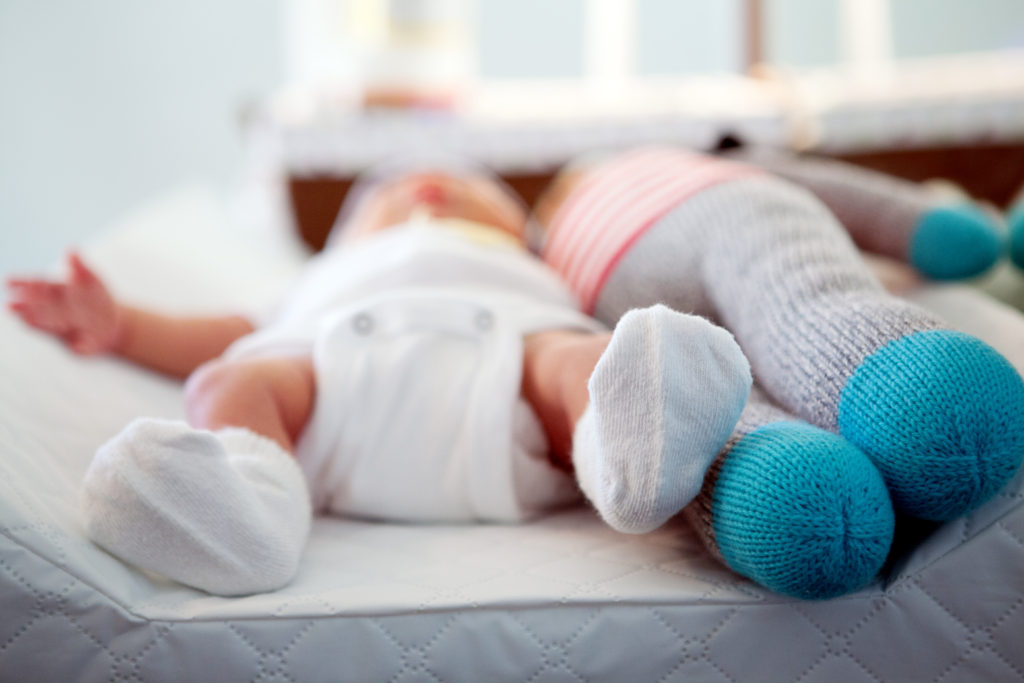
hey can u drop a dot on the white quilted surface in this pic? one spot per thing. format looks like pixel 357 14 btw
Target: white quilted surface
pixel 560 599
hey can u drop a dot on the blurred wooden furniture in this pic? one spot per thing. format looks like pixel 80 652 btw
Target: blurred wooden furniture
pixel 991 172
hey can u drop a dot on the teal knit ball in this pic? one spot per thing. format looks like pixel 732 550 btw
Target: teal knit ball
pixel 802 512
pixel 952 242
pixel 941 414
pixel 1015 223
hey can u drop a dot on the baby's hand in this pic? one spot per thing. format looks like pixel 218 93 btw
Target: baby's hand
pixel 80 311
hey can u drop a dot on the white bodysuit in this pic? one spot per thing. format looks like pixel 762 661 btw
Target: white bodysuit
pixel 416 335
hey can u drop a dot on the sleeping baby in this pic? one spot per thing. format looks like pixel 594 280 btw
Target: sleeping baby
pixel 425 368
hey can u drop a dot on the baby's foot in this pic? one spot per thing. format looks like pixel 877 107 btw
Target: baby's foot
pixel 664 398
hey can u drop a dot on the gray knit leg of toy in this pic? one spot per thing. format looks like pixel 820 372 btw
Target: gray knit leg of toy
pixel 891 216
pixel 940 413
pixel 795 508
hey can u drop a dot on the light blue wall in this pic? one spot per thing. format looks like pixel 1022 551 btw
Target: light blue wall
pixel 530 38
pixel 689 36
pixel 106 103
pixel 931 27
pixel 544 38
pixel 801 33
pixel 805 32
pixel 537 38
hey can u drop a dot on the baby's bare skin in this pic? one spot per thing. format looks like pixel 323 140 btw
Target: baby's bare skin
pixel 82 312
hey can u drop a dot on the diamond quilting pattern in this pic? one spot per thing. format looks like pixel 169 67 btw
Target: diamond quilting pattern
pixel 19 599
pixel 598 607
pixel 496 638
pixel 1013 526
pixel 807 643
pixel 993 586
pixel 837 668
pixel 978 667
pixel 900 625
pixel 1003 638
pixel 641 612
pixel 356 651
pixel 860 638
pixel 588 654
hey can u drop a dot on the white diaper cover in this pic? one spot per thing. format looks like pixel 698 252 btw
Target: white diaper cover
pixel 418 414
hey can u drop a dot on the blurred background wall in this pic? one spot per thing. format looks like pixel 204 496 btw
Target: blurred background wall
pixel 107 103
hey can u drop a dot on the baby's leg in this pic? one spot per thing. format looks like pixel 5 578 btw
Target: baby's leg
pixel 793 507
pixel 272 397
pixel 892 216
pixel 940 413
pixel 647 409
pixel 226 511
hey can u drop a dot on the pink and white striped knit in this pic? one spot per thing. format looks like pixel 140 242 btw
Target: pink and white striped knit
pixel 616 203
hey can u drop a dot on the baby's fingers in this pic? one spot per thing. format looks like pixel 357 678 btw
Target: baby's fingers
pixel 30 291
pixel 41 310
pixel 28 313
pixel 80 273
pixel 19 308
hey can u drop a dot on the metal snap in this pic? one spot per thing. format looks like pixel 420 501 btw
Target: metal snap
pixel 362 323
pixel 484 320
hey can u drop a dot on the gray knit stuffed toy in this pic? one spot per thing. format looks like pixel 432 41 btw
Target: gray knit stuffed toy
pixel 864 405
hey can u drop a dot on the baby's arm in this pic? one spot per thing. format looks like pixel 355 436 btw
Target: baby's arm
pixel 82 312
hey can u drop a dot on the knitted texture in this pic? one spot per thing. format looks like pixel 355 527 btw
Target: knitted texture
pixel 797 509
pixel 227 512
pixel 942 415
pixel 664 398
pixel 952 242
pixel 615 203
pixel 792 486
pixel 783 276
pixel 786 280
pixel 1015 223
pixel 892 216
pixel 758 411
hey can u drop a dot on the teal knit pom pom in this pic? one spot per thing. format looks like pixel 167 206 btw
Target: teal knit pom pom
pixel 1015 222
pixel 802 512
pixel 941 414
pixel 953 242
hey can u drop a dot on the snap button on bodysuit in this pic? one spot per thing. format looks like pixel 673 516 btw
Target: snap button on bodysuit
pixel 362 323
pixel 484 320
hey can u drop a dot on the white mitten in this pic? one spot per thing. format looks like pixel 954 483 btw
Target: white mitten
pixel 227 512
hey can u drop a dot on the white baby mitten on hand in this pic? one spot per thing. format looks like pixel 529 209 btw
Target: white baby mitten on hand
pixel 227 512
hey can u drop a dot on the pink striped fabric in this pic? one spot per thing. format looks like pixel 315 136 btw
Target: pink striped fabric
pixel 614 205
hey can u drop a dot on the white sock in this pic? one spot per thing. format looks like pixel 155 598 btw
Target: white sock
pixel 664 397
pixel 227 512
